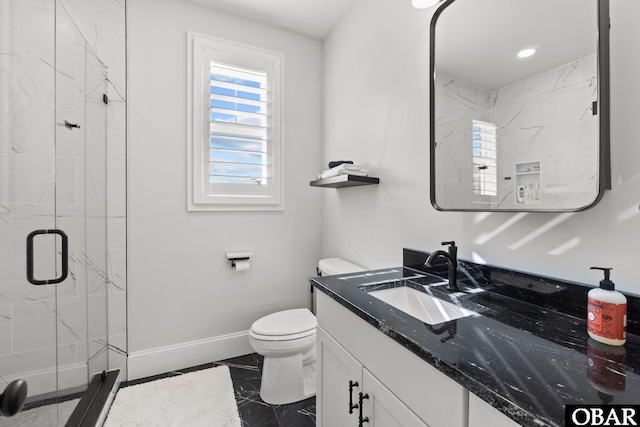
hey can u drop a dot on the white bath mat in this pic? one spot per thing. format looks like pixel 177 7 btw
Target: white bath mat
pixel 202 398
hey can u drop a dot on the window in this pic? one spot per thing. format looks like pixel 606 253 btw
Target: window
pixel 485 150
pixel 235 136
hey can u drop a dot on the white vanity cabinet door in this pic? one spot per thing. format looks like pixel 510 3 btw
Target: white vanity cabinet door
pixel 383 408
pixel 335 368
pixel 436 399
pixel 481 414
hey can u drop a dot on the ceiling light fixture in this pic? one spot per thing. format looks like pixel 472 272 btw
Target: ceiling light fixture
pixel 525 53
pixel 423 4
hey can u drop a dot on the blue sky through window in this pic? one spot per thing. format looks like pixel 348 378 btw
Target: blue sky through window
pixel 234 144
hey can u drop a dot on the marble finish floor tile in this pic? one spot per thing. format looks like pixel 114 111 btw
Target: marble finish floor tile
pixel 246 373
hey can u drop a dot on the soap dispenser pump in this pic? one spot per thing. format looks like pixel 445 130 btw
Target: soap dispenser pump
pixel 607 312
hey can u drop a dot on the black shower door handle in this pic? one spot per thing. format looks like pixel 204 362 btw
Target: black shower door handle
pixel 65 257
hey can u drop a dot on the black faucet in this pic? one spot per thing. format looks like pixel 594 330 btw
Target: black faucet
pixel 452 258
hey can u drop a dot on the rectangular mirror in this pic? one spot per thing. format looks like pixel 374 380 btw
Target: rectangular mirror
pixel 511 132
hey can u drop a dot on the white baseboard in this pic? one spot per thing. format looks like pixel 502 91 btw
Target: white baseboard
pixel 146 363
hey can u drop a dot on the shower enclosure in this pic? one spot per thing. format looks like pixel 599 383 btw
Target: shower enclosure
pixel 62 201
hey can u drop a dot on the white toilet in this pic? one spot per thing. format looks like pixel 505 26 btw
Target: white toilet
pixel 287 340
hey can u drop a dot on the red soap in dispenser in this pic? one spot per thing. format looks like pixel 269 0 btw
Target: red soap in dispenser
pixel 607 312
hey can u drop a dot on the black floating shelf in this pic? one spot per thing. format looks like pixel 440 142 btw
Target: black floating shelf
pixel 345 181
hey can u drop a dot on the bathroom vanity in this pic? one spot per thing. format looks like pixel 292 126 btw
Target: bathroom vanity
pixel 515 353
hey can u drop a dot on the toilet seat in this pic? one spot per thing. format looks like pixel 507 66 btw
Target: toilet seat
pixel 284 325
pixel 288 337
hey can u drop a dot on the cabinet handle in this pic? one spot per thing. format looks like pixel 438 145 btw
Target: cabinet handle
pixel 352 384
pixel 361 420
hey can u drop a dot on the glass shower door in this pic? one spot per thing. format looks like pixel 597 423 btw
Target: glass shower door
pixel 53 221
pixel 81 206
pixel 28 346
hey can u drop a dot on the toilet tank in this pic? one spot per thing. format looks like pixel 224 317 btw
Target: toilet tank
pixel 331 266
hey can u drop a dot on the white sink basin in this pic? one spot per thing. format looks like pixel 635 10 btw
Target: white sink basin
pixel 420 305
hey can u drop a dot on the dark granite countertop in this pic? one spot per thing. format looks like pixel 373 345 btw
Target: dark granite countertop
pixel 526 350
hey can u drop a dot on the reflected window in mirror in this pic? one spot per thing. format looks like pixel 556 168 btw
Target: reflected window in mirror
pixel 485 154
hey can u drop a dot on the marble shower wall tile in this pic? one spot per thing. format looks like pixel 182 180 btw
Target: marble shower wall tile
pixel 552 81
pixel 72 314
pixel 95 262
pixel 536 113
pixel 5 129
pixel 31 24
pixel 34 325
pixel 26 179
pixel 15 287
pixel 28 80
pixel 5 230
pixel 72 219
pixel 103 27
pixel 117 313
pixel 457 100
pixel 461 104
pixel 5 329
pixel 97 328
pixel 456 180
pixel 28 129
pixel 97 139
pixel 116 263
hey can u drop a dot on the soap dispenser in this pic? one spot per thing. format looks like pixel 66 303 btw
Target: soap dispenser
pixel 607 312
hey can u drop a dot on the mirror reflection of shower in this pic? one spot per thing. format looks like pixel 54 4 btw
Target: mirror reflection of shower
pixel 517 116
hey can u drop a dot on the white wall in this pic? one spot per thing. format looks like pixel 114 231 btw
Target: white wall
pixel 376 112
pixel 181 287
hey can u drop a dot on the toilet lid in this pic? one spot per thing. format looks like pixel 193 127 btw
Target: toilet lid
pixel 287 322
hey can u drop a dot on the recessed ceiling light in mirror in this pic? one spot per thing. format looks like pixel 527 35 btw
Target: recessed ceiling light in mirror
pixel 423 4
pixel 525 53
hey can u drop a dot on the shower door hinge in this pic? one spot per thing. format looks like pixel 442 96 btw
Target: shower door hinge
pixel 105 98
pixel 594 108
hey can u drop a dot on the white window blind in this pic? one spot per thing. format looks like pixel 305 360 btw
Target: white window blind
pixel 239 126
pixel 236 144
pixel 485 154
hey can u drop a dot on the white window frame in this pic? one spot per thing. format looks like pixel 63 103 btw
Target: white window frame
pixel 202 195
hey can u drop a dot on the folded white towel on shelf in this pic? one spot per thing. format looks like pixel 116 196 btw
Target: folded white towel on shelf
pixel 361 172
pixel 351 167
pixel 343 169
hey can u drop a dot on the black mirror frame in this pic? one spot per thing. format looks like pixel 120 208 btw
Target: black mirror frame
pixel 604 104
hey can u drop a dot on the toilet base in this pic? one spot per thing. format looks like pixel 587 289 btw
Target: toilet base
pixel 286 380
